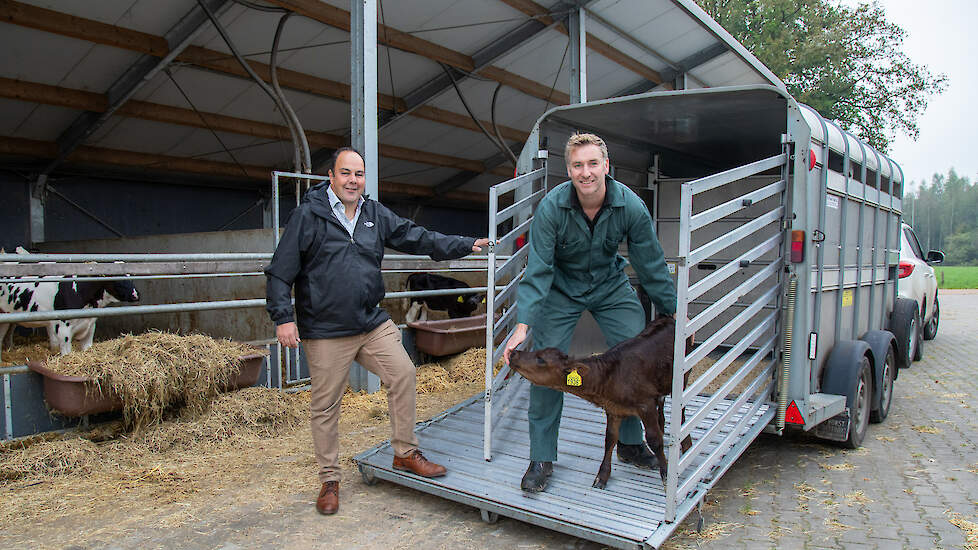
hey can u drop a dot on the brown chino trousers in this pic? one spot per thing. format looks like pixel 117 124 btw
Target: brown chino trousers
pixel 380 352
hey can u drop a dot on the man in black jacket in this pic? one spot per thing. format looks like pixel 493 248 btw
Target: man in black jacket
pixel 331 252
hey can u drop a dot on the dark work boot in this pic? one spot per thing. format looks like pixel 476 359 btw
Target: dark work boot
pixel 637 455
pixel 536 476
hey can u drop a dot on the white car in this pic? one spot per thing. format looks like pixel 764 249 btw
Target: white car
pixel 918 283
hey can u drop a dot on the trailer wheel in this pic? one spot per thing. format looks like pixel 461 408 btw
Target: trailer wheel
pixel 859 409
pixel 905 325
pixel 886 389
pixel 367 475
pixel 930 329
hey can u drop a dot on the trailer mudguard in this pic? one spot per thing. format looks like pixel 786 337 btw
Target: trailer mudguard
pixel 879 341
pixel 837 378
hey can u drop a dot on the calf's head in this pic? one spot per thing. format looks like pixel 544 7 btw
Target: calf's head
pixel 123 291
pixel 469 303
pixel 547 367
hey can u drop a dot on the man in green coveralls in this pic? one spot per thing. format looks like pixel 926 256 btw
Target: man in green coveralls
pixel 573 265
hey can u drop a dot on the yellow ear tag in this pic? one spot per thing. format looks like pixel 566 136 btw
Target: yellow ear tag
pixel 460 300
pixel 573 379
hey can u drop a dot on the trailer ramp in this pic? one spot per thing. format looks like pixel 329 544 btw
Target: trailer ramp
pixel 629 513
pixel 734 225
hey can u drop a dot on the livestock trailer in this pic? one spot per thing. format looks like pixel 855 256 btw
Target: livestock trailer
pixel 782 233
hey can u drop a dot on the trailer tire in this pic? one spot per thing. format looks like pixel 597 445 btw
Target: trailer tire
pixel 885 388
pixel 859 410
pixel 848 372
pixel 905 325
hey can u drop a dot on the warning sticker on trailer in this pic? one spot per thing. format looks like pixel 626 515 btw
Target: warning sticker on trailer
pixel 832 201
pixel 847 298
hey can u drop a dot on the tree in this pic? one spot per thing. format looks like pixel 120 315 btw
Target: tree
pixel 944 215
pixel 845 62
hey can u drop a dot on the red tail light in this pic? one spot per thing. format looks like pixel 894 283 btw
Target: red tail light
pixel 797 247
pixel 906 268
pixel 811 159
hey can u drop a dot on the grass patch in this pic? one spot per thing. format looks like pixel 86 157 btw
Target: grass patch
pixel 956 276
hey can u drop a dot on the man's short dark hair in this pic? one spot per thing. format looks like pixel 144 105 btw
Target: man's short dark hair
pixel 336 156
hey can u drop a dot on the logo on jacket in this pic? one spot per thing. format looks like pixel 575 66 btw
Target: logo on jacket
pixel 368 224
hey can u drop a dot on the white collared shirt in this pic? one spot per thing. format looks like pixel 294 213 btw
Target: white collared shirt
pixel 339 210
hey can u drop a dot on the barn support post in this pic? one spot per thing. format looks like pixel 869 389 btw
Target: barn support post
pixel 36 194
pixel 577 33
pixel 363 123
pixel 363 87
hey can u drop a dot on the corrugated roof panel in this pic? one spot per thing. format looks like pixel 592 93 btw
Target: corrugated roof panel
pixel 99 68
pixel 38 56
pixel 149 16
pixel 33 121
pixel 478 22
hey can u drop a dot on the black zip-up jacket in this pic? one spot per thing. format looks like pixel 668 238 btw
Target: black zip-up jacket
pixel 338 285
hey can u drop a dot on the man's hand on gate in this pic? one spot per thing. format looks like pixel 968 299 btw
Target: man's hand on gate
pixel 479 244
pixel 516 339
pixel 288 335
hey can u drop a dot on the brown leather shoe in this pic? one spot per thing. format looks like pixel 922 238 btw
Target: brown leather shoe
pixel 329 498
pixel 417 463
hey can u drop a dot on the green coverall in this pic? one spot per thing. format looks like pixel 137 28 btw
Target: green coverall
pixel 571 269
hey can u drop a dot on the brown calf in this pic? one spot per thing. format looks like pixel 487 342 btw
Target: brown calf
pixel 630 379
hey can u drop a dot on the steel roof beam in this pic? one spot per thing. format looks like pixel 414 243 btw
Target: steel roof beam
pixel 594 43
pixel 140 72
pixel 482 58
pixel 33 17
pixel 706 54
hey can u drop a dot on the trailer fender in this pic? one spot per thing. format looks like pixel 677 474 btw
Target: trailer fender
pixel 879 342
pixel 840 368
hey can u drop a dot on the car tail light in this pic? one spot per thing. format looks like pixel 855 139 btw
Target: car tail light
pixel 797 247
pixel 906 268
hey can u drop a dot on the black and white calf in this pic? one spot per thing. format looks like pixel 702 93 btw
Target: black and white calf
pixel 56 296
pixel 457 305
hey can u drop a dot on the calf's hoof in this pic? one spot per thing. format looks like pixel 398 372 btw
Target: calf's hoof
pixel 638 456
pixel 599 483
pixel 536 477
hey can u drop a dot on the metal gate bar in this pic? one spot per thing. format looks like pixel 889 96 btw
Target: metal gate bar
pixel 680 480
pixel 526 199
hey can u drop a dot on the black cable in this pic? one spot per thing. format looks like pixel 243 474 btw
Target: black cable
pixel 302 145
pixel 204 120
pixel 501 146
pixel 259 7
pixel 247 67
pixel 495 128
pixel 556 76
pixel 390 67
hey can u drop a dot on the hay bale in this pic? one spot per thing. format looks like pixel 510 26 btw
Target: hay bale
pixel 155 371
pixel 239 417
pixel 51 458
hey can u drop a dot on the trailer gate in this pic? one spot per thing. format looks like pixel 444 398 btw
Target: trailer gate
pixel 635 510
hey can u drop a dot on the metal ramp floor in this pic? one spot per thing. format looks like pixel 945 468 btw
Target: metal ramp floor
pixel 629 513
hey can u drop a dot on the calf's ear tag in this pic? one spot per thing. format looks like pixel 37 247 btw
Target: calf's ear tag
pixel 573 379
pixel 460 300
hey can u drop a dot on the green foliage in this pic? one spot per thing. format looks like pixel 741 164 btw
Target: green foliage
pixel 944 215
pixel 846 62
pixel 956 276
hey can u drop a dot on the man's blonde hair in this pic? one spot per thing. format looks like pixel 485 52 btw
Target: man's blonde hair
pixel 582 139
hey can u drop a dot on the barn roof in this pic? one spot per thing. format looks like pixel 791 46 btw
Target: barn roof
pixel 86 77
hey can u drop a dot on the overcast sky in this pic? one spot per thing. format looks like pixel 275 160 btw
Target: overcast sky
pixel 942 35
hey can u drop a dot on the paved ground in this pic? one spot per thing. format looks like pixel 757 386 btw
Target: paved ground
pixel 915 477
